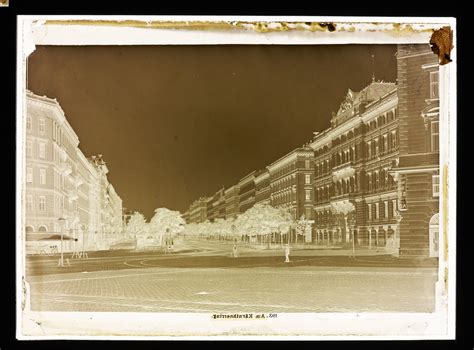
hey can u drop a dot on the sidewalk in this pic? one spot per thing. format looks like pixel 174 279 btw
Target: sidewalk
pixel 314 250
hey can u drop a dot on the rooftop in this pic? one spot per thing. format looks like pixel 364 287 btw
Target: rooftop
pixel 374 91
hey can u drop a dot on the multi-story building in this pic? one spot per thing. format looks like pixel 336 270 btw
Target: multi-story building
pixel 418 167
pixel 372 178
pixel 262 187
pixel 232 202
pixel 186 216
pixel 355 195
pixel 198 210
pixel 291 183
pixel 216 206
pixel 111 206
pixel 246 192
pixel 61 185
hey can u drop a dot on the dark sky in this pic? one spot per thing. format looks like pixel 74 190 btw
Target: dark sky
pixel 177 122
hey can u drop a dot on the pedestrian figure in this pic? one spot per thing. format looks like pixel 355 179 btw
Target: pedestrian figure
pixel 235 254
pixel 287 253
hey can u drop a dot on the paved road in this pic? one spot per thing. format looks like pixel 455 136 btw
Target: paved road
pixel 217 254
pixel 300 289
pixel 202 277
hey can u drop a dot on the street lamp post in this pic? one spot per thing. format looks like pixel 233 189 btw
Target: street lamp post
pixel 350 220
pixel 61 224
pixel 84 253
pixel 399 218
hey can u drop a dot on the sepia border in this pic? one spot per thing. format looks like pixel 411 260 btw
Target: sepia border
pixel 201 30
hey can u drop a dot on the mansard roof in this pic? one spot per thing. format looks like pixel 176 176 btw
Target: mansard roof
pixel 370 93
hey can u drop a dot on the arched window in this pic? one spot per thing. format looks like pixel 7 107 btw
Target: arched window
pixel 42 228
pixel 29 229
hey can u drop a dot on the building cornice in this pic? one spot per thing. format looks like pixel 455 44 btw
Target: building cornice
pixel 263 176
pixel 374 108
pixel 247 178
pixel 54 106
pixel 382 106
pixel 291 158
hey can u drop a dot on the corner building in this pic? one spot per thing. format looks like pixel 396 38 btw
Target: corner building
pixel 65 192
pixel 418 169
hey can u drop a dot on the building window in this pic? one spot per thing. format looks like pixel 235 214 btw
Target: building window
pixel 377 180
pixel 434 136
pixel 394 208
pixel 42 126
pixel 369 150
pixel 42 203
pixel 306 164
pixel 42 150
pixel 385 209
pixel 369 210
pixel 29 202
pixel 28 123
pixel 435 181
pixel 29 175
pixel 377 212
pixel 393 143
pixel 29 149
pixel 55 180
pixel 434 84
pixel 376 143
pixel 308 195
pixel 385 143
pixel 42 176
pixel 307 179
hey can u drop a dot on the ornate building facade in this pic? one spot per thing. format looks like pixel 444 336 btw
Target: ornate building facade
pixel 262 187
pixel 232 202
pixel 355 196
pixel 291 182
pixel 216 206
pixel 246 192
pixel 371 179
pixel 64 192
pixel 198 211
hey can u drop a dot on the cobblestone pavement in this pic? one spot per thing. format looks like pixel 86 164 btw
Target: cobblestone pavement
pixel 260 289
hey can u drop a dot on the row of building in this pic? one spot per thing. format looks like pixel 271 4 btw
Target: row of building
pixel 370 179
pixel 65 193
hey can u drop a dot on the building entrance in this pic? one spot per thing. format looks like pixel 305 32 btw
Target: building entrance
pixel 434 235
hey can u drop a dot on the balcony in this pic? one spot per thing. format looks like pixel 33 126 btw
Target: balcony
pixel 78 181
pixel 65 168
pixel 347 195
pixel 343 171
pixel 72 195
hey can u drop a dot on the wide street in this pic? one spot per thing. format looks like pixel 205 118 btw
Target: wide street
pixel 201 276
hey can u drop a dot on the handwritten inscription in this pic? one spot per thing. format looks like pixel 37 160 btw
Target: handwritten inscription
pixel 256 316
